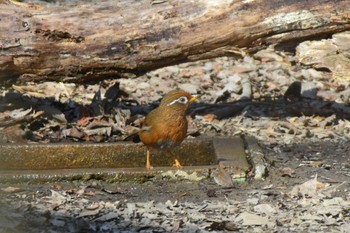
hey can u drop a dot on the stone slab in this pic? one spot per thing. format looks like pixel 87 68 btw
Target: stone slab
pixel 124 159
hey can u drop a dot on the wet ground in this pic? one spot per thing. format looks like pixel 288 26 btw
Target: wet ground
pixel 307 190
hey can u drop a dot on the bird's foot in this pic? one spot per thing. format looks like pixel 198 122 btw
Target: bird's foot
pixel 177 164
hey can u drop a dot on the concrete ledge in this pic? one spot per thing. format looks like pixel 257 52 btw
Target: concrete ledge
pixel 116 160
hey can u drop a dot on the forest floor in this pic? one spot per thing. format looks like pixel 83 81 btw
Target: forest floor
pixel 297 110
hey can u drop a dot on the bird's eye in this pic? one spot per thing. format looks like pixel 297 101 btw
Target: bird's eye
pixel 183 100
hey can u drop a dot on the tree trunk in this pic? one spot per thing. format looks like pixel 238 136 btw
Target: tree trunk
pixel 95 40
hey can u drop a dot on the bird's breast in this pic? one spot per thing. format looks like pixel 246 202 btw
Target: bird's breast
pixel 164 134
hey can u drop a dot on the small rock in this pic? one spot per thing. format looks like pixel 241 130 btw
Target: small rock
pixel 309 90
pixel 246 90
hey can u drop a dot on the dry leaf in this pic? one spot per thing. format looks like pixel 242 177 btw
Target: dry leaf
pixel 310 188
pixel 11 189
pixel 209 117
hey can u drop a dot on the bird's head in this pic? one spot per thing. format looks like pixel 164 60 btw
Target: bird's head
pixel 178 100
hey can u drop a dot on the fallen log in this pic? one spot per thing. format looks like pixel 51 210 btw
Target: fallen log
pixel 94 40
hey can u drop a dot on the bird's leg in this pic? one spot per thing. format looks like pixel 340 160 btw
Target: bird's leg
pixel 148 162
pixel 177 164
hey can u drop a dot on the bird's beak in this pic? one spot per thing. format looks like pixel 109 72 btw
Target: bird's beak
pixel 194 97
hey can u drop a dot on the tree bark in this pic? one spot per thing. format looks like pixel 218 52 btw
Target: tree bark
pixel 92 40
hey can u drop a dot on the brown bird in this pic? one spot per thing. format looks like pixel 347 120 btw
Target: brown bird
pixel 166 126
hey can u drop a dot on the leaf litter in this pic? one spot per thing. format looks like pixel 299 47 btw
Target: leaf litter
pixel 297 111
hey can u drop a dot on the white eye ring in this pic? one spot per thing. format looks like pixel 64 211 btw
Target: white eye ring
pixel 181 100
